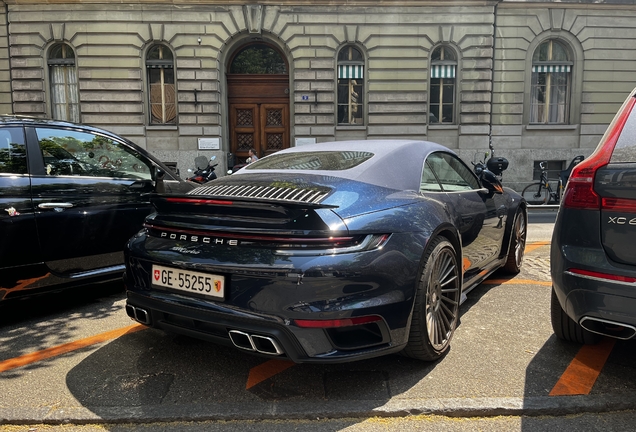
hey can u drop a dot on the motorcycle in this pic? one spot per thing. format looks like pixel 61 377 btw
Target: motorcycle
pixel 204 171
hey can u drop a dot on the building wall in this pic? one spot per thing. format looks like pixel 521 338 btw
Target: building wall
pixel 109 40
pixel 397 38
pixel 5 73
pixel 602 39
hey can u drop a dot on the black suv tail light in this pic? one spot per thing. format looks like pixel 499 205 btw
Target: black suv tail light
pixel 579 192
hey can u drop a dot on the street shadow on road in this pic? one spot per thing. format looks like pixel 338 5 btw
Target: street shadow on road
pixel 154 375
pixel 37 323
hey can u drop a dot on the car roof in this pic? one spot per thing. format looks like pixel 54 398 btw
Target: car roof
pixel 8 119
pixel 396 164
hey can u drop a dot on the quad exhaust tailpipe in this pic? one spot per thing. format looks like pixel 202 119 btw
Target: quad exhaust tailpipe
pixel 138 314
pixel 258 343
pixel 608 328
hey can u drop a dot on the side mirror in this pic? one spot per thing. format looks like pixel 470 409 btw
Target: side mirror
pixel 490 181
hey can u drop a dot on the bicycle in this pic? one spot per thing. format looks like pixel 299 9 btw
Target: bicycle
pixel 541 193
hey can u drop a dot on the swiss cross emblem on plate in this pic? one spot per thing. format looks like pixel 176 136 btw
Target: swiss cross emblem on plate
pixel 157 274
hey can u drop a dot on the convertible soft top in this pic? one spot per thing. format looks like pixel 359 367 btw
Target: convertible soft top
pixel 395 164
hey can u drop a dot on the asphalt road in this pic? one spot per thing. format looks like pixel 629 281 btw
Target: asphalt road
pixel 77 358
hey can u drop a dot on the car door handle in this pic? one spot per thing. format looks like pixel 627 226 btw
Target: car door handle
pixel 55 205
pixel 143 184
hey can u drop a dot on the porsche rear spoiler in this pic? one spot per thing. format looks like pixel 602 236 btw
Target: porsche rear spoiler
pixel 161 201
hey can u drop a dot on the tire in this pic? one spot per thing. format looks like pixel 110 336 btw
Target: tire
pixel 517 243
pixel 436 309
pixel 535 194
pixel 566 328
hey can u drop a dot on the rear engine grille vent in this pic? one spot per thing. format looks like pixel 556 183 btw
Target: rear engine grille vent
pixel 285 194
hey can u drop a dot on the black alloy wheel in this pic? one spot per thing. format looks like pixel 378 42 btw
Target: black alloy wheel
pixel 436 310
pixel 517 243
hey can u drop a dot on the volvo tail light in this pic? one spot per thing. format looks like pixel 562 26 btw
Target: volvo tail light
pixel 579 192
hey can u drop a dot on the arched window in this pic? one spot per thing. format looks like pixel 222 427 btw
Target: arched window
pixel 63 81
pixel 258 59
pixel 162 94
pixel 442 88
pixel 350 86
pixel 551 84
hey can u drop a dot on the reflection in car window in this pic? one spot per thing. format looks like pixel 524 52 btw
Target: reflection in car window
pixel 625 150
pixel 451 172
pixel 12 151
pixel 429 182
pixel 325 160
pixel 76 153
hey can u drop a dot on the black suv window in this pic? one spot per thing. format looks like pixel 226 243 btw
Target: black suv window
pixel 625 150
pixel 12 151
pixel 78 153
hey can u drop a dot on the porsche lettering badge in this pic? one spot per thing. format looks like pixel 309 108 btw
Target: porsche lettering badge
pixel 199 239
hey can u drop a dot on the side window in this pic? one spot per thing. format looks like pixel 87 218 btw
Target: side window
pixel 442 89
pixel 76 153
pixel 452 173
pixel 350 86
pixel 12 151
pixel 162 95
pixel 429 182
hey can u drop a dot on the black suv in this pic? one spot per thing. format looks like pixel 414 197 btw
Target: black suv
pixel 593 252
pixel 70 198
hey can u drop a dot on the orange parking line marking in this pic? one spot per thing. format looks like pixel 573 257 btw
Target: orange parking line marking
pixel 581 374
pixel 266 370
pixel 535 245
pixel 36 356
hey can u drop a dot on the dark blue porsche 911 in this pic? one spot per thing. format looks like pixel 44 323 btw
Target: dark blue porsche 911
pixel 328 252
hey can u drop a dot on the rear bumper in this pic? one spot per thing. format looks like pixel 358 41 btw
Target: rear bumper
pixel 266 294
pixel 273 337
pixel 578 246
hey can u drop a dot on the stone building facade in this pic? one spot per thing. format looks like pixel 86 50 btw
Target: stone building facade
pixel 540 80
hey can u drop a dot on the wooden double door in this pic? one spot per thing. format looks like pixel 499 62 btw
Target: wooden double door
pixel 259 114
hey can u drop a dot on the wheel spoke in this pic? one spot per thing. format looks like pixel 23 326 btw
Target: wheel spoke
pixel 521 239
pixel 442 299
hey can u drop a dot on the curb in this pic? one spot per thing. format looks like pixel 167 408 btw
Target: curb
pixel 312 410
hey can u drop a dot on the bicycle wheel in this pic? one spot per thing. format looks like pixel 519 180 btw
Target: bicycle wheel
pixel 535 194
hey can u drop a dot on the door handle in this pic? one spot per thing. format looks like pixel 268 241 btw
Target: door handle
pixel 55 206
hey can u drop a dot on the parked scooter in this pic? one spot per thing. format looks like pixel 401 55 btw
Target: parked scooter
pixel 204 171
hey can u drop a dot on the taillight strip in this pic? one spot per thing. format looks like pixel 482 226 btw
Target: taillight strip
pixel 277 239
pixel 619 204
pixel 588 274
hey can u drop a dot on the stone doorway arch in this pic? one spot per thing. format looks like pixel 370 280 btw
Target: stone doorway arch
pixel 258 100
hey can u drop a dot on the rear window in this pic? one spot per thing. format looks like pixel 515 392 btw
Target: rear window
pixel 625 150
pixel 324 161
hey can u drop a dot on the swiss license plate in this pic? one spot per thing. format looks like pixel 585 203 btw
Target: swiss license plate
pixel 189 281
